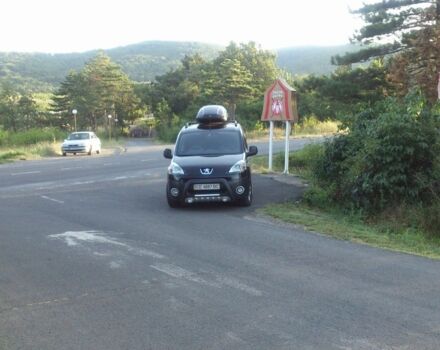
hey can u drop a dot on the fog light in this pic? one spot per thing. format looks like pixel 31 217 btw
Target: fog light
pixel 239 190
pixel 174 192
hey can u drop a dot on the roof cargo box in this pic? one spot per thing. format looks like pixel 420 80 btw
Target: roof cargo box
pixel 212 114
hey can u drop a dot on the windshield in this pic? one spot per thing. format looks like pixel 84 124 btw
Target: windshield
pixel 79 136
pixel 209 143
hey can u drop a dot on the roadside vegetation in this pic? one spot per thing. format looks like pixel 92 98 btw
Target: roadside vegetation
pixel 378 184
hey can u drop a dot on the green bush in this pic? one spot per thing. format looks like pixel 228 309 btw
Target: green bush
pixel 3 137
pixel 388 157
pixel 248 114
pixel 34 136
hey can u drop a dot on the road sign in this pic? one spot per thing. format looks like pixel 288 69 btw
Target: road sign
pixel 280 102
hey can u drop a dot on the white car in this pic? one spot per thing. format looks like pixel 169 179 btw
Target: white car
pixel 81 142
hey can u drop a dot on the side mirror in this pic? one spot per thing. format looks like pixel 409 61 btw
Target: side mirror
pixel 253 150
pixel 167 153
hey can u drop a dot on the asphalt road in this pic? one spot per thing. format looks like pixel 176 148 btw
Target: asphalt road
pixel 91 257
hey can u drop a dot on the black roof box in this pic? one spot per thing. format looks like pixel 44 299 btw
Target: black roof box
pixel 212 114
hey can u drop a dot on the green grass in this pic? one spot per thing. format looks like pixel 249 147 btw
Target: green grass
pixel 39 150
pixel 308 127
pixel 350 228
pixel 10 156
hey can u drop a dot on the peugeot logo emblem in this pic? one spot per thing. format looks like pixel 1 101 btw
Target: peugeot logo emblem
pixel 206 171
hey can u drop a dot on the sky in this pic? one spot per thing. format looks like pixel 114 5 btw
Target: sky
pixel 58 26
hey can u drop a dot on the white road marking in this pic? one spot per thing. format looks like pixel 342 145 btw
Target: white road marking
pixel 26 173
pixel 115 264
pixel 74 238
pixel 73 168
pixel 234 283
pixel 83 182
pixel 178 272
pixel 221 281
pixel 120 178
pixel 52 199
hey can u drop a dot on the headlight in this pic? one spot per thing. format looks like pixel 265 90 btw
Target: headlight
pixel 175 169
pixel 238 167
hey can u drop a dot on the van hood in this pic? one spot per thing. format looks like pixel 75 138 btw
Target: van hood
pixel 211 166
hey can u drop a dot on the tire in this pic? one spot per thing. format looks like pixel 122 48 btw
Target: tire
pixel 64 154
pixel 247 201
pixel 90 151
pixel 98 151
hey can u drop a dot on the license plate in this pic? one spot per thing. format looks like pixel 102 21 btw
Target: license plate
pixel 204 187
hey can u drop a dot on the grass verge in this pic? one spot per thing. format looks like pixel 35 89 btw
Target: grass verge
pixel 309 127
pixel 350 228
pixel 37 151
pixel 9 156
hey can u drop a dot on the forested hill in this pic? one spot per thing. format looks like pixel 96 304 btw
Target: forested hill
pixel 303 60
pixel 144 61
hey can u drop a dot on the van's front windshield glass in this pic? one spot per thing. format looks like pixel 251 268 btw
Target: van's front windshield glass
pixel 209 143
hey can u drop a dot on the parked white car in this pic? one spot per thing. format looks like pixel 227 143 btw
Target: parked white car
pixel 81 142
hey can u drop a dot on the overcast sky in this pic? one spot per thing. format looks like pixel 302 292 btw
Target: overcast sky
pixel 80 25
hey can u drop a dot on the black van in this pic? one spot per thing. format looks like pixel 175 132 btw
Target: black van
pixel 210 161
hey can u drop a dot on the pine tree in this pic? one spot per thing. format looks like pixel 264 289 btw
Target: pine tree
pixel 391 27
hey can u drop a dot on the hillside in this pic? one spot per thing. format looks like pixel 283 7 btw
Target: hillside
pixel 303 60
pixel 144 61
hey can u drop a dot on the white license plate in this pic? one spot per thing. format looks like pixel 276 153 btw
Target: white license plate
pixel 204 187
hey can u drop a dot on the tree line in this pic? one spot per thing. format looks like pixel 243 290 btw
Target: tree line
pixel 237 76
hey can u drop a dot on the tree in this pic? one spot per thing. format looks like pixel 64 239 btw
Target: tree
pixel 261 64
pixel 419 66
pixel 8 107
pixel 234 84
pixel 344 92
pixel 99 89
pixel 391 26
pixel 17 111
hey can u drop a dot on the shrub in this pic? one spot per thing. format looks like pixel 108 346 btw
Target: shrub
pixel 388 156
pixel 3 137
pixel 34 136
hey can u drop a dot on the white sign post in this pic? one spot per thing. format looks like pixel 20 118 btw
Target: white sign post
pixel 286 149
pixel 270 144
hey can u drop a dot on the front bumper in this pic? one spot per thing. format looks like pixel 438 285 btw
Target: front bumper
pixel 232 188
pixel 74 149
